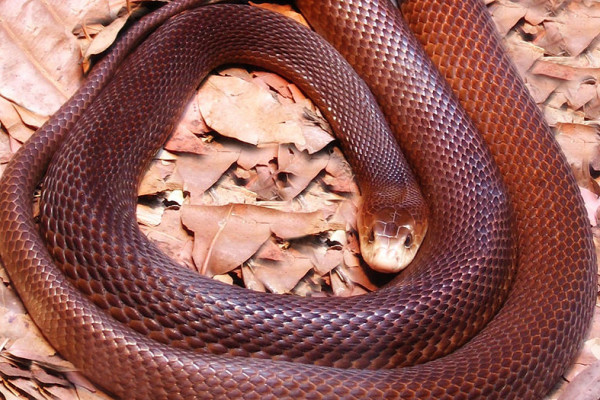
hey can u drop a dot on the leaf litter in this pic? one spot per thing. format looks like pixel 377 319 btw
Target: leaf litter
pixel 274 179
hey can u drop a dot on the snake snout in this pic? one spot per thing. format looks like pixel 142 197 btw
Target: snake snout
pixel 389 240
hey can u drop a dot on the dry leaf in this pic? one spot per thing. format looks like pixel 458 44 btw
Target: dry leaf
pixel 506 15
pixel 340 177
pixel 227 236
pixel 171 237
pixel 592 205
pixel 259 118
pixel 281 276
pixel 43 69
pixel 585 386
pixel 297 169
pixel 201 172
pixel 581 145
pixel 183 140
pixel 105 37
pixel 155 179
pixel 284 9
pixel 224 237
pixel 191 122
pixel 12 122
pixel 576 27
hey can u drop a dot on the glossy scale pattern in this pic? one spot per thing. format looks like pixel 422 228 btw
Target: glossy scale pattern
pixel 148 329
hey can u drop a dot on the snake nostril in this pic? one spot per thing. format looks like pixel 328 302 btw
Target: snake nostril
pixel 408 240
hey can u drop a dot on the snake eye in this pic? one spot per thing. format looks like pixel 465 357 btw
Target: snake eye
pixel 408 240
pixel 371 236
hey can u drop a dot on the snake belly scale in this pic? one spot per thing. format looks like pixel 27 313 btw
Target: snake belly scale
pixel 144 328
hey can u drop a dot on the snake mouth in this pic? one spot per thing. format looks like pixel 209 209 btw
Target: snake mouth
pixel 390 240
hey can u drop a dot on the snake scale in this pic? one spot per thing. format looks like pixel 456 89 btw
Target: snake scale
pixel 494 305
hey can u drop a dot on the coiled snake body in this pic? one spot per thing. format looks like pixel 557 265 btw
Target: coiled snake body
pixel 143 328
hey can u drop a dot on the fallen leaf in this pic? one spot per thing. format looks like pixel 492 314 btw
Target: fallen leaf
pixel 13 123
pixel 506 15
pixel 227 236
pixel 299 169
pixel 223 240
pixel 284 9
pixel 577 27
pixel 259 118
pixel 581 145
pixel 585 386
pixel 155 179
pixel 183 140
pixel 43 70
pixel 191 122
pixel 592 205
pixel 339 177
pixel 201 172
pixel 281 276
pixel 105 37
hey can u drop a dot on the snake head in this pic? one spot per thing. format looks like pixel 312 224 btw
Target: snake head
pixel 389 238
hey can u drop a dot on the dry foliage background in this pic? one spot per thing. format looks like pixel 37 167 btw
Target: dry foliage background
pixel 267 202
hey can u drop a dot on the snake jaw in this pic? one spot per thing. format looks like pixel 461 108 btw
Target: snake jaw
pixel 390 239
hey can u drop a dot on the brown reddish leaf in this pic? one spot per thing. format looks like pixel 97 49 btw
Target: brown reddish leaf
pixel 344 287
pixel 171 237
pixel 66 393
pixel 292 225
pixel 27 388
pixel 592 205
pixel 182 140
pixel 43 70
pixel 107 35
pixel 244 111
pixel 275 82
pixel 300 168
pixel 264 183
pixel 280 276
pixel 575 87
pixel 251 281
pixel 324 259
pixel 21 338
pixel 339 177
pixel 506 15
pixel 556 68
pixel 592 109
pixel 191 121
pixel 585 386
pixel 270 251
pixel 524 54
pixel 247 112
pixel 345 213
pixel 223 236
pixel 8 370
pixel 251 156
pixel 227 236
pixel 228 191
pixel 5 151
pixel 557 115
pixel 155 179
pixel 284 9
pixel 576 27
pixel 12 121
pixel 43 377
pixel 581 145
pixel 201 172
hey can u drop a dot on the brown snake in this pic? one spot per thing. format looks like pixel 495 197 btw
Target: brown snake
pixel 450 301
